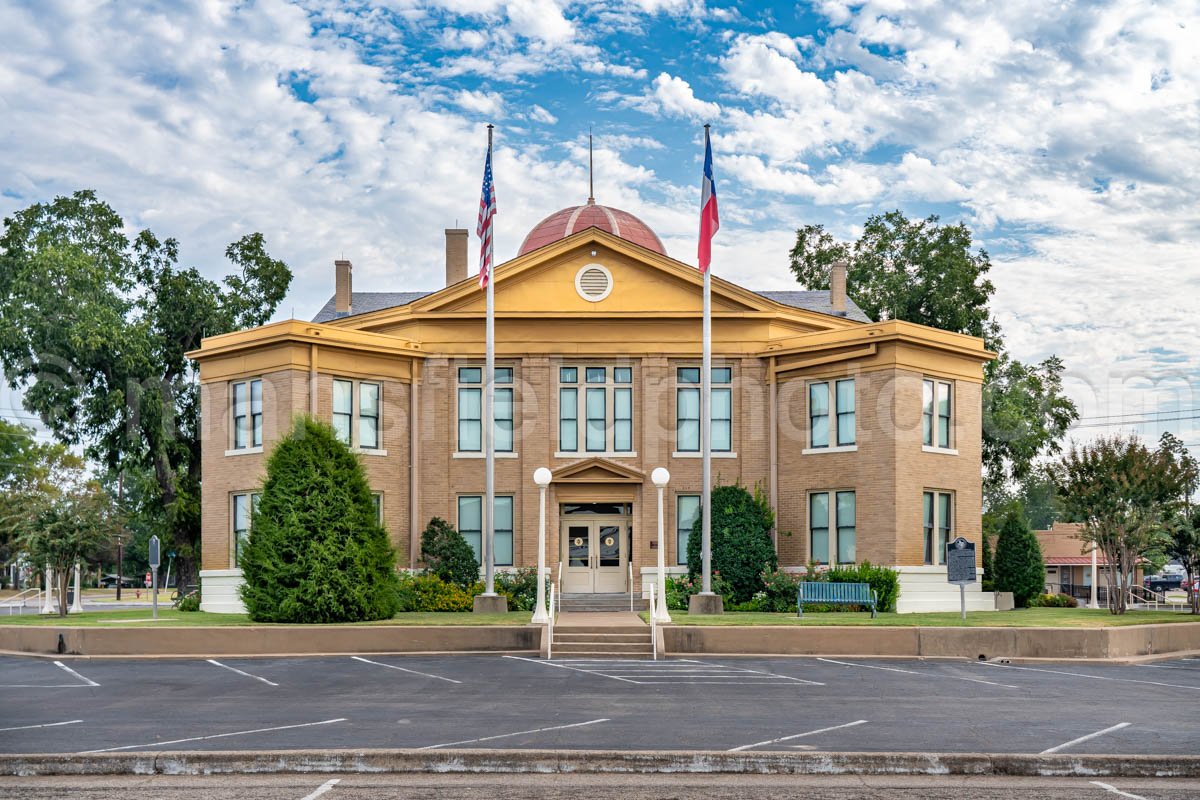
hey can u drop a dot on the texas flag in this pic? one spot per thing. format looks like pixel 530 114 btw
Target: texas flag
pixel 709 221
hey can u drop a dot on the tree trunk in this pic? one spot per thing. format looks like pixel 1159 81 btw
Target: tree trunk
pixel 63 578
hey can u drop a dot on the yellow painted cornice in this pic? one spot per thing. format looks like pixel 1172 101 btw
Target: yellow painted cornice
pixel 294 331
pixel 879 332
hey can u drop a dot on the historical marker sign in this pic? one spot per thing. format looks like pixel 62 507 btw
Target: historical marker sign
pixel 155 554
pixel 960 562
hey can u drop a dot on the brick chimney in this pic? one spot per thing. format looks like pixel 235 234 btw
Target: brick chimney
pixel 343 293
pixel 456 255
pixel 837 287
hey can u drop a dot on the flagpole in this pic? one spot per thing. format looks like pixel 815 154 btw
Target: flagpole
pixel 706 434
pixel 489 416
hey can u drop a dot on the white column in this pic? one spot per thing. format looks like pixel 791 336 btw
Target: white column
pixel 1092 601
pixel 542 477
pixel 661 477
pixel 46 607
pixel 77 605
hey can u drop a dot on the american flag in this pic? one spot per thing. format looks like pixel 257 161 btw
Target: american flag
pixel 709 220
pixel 487 210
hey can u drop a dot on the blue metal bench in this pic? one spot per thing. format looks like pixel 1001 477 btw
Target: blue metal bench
pixel 851 594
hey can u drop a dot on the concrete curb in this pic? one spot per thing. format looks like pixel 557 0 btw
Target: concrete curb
pixel 583 761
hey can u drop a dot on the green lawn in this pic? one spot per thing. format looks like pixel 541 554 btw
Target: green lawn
pixel 1021 618
pixel 168 617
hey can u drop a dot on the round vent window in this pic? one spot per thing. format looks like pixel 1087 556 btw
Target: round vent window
pixel 593 282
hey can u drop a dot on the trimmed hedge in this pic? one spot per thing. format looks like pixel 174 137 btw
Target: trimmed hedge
pixel 447 554
pixel 741 541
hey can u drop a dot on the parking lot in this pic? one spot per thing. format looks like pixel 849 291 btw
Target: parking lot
pixel 839 704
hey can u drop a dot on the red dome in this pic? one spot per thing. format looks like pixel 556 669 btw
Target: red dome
pixel 562 224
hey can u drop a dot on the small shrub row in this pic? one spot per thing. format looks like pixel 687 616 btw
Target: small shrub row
pixel 776 590
pixel 426 591
pixel 1053 601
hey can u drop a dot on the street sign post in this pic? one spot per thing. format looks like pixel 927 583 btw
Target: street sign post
pixel 960 568
pixel 155 560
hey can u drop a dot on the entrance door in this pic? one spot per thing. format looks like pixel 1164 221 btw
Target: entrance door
pixel 594 556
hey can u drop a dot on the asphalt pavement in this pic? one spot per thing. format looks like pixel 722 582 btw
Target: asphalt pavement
pixel 753 704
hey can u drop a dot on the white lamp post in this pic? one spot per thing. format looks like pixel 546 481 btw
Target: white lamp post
pixel 542 477
pixel 77 603
pixel 661 477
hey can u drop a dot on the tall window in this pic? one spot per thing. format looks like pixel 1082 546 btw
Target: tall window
pixel 470 409
pixel 935 413
pixel 939 523
pixel 377 499
pixel 470 525
pixel 687 409
pixel 604 413
pixel 832 522
pixel 687 511
pixel 828 427
pixel 349 397
pixel 244 505
pixel 247 414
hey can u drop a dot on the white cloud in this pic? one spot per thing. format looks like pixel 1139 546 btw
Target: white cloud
pixel 488 104
pixel 674 95
pixel 539 114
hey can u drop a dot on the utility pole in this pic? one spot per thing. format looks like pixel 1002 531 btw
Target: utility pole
pixel 120 535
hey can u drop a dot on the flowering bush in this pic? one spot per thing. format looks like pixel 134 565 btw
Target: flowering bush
pixel 519 587
pixel 679 590
pixel 424 591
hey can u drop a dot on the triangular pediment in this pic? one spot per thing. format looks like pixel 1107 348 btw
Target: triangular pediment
pixel 597 470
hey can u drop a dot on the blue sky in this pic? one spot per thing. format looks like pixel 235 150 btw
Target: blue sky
pixel 1066 135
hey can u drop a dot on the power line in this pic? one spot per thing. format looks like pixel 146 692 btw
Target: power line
pixel 1142 413
pixel 1135 422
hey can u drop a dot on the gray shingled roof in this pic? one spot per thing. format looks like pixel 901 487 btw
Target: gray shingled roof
pixel 366 302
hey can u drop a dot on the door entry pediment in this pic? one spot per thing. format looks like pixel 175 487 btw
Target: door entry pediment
pixel 598 470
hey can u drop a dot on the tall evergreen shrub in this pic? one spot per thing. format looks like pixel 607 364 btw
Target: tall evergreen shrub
pixel 1018 560
pixel 317 552
pixel 742 549
pixel 448 555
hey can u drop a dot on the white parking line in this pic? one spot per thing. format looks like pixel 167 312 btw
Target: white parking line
pixel 1081 739
pixel 322 789
pixel 214 736
pixel 43 725
pixel 1085 675
pixel 771 674
pixel 1115 790
pixel 795 736
pixel 572 669
pixel 239 672
pixel 913 672
pixel 402 669
pixel 517 733
pixel 87 681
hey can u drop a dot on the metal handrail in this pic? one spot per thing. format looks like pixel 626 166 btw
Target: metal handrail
pixel 653 626
pixel 631 586
pixel 12 601
pixel 1149 597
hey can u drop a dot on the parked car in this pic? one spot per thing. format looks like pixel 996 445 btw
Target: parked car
pixel 1162 583
pixel 127 582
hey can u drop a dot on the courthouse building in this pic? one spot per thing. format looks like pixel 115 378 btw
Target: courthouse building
pixel 865 436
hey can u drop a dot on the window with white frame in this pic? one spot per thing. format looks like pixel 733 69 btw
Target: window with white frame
pixel 470 525
pixel 938 511
pixel 243 507
pixel 687 511
pixel 687 409
pixel 470 409
pixel 247 406
pixel 935 413
pixel 600 408
pixel 832 528
pixel 357 400
pixel 831 420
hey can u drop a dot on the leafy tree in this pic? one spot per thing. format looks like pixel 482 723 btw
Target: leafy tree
pixel 1184 528
pixel 316 551
pixel 988 584
pixel 95 327
pixel 925 272
pixel 448 555
pixel 63 525
pixel 1129 499
pixel 1018 561
pixel 742 549
pixel 1040 501
pixel 27 467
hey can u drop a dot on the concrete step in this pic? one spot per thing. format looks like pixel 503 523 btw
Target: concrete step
pixel 571 635
pixel 602 648
pixel 584 608
pixel 638 630
pixel 647 654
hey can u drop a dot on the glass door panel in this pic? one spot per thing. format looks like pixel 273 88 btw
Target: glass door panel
pixel 610 558
pixel 577 558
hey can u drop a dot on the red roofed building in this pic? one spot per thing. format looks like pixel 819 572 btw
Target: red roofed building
pixel 1068 561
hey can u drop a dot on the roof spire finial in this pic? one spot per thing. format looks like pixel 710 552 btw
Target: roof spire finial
pixel 591 189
